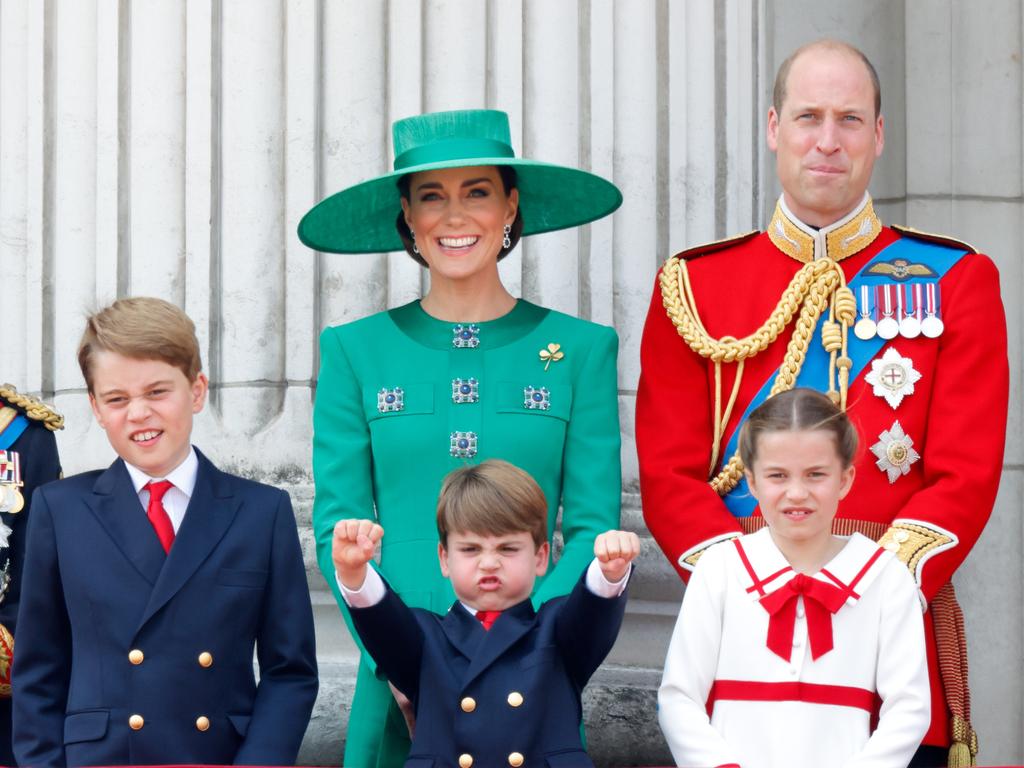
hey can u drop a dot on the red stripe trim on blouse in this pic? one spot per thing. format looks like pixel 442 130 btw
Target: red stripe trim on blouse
pixel 849 588
pixel 867 566
pixel 810 693
pixel 758 584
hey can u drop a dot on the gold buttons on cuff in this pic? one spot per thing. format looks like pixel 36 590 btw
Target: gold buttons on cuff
pixel 202 723
pixel 135 722
pixel 135 656
pixel 515 699
pixel 205 659
pixel 465 760
pixel 468 704
pixel 515 760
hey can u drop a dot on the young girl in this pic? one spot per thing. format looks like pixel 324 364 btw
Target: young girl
pixel 789 639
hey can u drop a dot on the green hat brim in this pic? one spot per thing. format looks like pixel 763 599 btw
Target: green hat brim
pixel 361 218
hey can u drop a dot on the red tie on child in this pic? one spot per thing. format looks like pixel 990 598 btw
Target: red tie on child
pixel 821 600
pixel 487 618
pixel 158 515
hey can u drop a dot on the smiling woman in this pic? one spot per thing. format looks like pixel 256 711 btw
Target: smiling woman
pixel 408 395
pixel 456 219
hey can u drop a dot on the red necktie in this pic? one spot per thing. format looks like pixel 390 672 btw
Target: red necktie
pixel 487 618
pixel 158 515
pixel 821 600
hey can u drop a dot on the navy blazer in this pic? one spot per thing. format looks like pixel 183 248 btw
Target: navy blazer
pixel 127 655
pixel 488 694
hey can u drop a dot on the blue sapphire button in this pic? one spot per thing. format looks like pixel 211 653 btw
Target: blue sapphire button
pixel 536 398
pixel 462 445
pixel 466 336
pixel 465 390
pixel 390 400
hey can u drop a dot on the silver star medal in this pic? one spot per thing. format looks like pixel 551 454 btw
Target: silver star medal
pixel 5 534
pixel 893 377
pixel 895 452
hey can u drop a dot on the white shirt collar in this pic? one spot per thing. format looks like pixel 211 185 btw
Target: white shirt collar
pixel 183 476
pixel 857 564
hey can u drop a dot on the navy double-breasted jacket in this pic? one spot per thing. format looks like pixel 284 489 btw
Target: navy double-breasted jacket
pixel 127 655
pixel 507 696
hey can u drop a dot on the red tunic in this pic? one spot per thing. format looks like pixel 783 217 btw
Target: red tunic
pixel 956 416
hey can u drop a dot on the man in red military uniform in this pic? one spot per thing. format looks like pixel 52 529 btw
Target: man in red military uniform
pixel 906 330
pixel 28 458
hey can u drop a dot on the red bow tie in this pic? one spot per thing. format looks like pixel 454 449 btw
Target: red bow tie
pixel 821 600
pixel 487 618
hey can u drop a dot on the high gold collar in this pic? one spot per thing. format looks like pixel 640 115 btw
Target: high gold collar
pixel 851 234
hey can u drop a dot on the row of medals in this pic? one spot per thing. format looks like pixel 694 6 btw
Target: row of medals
pixel 890 310
pixel 11 499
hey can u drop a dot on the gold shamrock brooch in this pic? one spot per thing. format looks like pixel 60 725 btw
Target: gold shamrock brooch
pixel 552 354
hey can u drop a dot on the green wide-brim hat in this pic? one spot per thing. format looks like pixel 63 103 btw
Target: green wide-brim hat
pixel 361 219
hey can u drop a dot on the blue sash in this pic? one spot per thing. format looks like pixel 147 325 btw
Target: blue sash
pixel 814 372
pixel 18 425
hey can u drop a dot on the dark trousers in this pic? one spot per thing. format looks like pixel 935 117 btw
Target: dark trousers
pixel 930 757
pixel 6 755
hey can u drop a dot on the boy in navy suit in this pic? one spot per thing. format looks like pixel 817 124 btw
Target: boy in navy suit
pixel 492 682
pixel 148 584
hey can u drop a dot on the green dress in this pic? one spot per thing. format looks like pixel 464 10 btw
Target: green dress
pixel 404 398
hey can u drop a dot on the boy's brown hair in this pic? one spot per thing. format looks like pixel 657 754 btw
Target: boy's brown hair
pixel 143 328
pixel 493 498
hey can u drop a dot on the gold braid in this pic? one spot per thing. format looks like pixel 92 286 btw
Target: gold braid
pixel 33 408
pixel 819 285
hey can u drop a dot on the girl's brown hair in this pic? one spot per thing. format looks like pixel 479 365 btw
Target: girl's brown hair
pixel 798 410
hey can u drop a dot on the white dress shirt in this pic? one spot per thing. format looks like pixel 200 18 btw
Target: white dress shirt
pixel 175 499
pixel 372 590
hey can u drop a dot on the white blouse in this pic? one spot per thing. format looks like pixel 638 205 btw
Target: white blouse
pixel 726 698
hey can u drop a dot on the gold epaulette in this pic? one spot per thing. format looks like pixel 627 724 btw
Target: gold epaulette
pixel 717 245
pixel 929 237
pixel 915 542
pixel 32 407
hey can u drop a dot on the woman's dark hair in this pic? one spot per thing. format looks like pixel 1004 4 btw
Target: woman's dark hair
pixel 798 410
pixel 508 181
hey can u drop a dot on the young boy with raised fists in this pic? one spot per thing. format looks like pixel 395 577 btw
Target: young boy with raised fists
pixel 492 682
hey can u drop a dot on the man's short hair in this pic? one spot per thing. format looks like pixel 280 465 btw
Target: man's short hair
pixel 493 498
pixel 781 78
pixel 143 328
